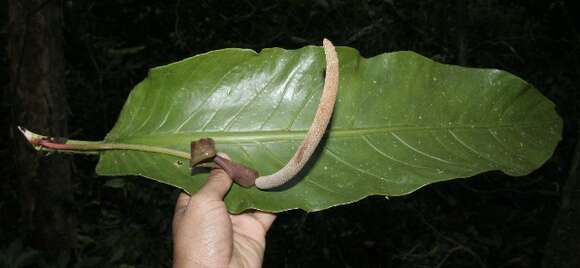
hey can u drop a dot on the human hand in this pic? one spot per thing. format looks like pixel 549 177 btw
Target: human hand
pixel 206 235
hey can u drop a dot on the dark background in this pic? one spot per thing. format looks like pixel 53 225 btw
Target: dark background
pixel 491 220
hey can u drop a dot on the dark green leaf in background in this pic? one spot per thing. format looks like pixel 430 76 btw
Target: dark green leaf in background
pixel 401 122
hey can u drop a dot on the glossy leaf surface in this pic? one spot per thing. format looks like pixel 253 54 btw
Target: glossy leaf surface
pixel 401 122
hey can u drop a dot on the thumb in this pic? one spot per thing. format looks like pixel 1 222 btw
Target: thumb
pixel 217 185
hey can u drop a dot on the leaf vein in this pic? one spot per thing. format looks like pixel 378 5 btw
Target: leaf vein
pixel 339 159
pixel 382 153
pixel 472 149
pixel 279 103
pixel 212 92
pixel 421 152
pixel 304 104
pixel 324 188
pixel 181 87
pixel 152 109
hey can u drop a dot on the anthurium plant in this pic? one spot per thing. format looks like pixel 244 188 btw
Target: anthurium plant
pixel 400 121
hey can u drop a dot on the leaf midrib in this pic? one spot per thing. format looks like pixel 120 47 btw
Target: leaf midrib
pixel 248 137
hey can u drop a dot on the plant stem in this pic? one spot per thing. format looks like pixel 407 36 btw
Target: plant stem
pixel 92 146
pixel 43 142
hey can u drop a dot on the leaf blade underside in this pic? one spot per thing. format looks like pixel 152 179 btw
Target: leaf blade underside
pixel 401 121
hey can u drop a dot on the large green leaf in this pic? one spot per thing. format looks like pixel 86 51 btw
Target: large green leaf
pixel 401 122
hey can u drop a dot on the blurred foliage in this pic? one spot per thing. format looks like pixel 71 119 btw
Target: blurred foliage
pixel 490 221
